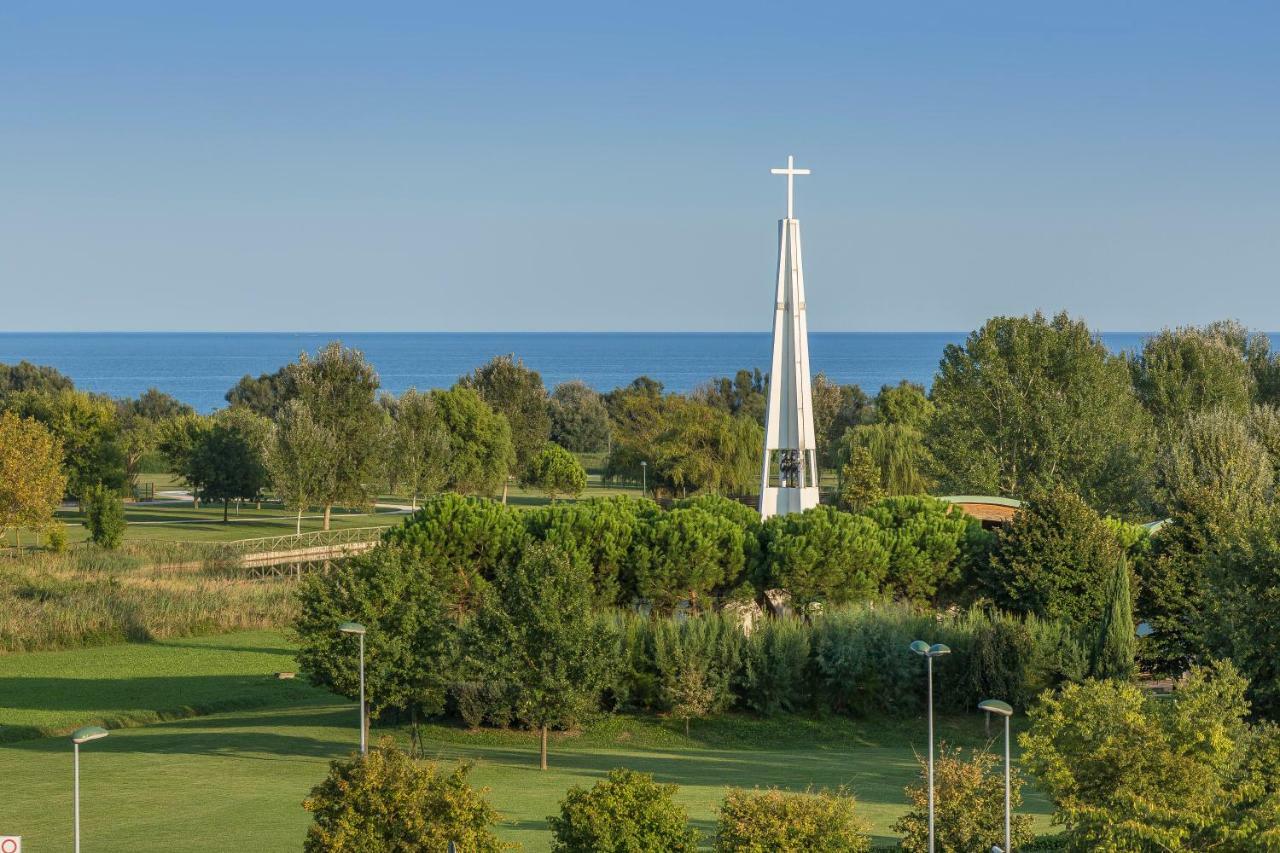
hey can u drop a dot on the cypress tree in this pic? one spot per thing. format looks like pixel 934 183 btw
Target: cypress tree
pixel 1117 641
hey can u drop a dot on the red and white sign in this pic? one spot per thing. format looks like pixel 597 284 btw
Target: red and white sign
pixel 10 844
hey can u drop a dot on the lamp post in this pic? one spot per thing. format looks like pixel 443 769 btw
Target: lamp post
pixel 78 737
pixel 1004 709
pixel 644 477
pixel 929 652
pixel 358 629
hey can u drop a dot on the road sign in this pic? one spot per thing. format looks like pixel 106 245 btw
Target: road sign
pixel 10 844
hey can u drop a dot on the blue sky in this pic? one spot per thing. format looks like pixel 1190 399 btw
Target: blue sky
pixel 548 166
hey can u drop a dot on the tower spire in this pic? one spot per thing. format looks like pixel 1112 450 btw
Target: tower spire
pixel 789 473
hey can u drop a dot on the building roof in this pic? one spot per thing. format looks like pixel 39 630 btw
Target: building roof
pixel 994 500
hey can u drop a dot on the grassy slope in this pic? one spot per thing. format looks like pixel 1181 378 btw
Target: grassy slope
pixel 235 780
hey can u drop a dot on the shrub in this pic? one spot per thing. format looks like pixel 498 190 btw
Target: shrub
pixel 823 554
pixel 968 804
pixel 387 801
pixel 104 516
pixel 556 471
pixel 709 645
pixel 56 538
pixel 627 812
pixel 767 821
pixel 861 659
pixel 775 671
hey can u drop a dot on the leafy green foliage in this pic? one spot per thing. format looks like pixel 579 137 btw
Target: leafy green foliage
pixel 268 394
pixel 823 554
pixel 927 541
pixel 898 452
pixel 86 426
pixel 776 674
pixel 420 445
pixel 229 461
pixel 31 480
pixel 481 454
pixel 579 419
pixel 694 658
pixel 746 393
pixel 1028 403
pixel 860 484
pixel 104 516
pixel 536 634
pixel 515 392
pixel 298 454
pixel 387 801
pixel 557 472
pixel 836 408
pixel 626 812
pixel 1129 770
pixel 692 552
pixel 968 805
pixel 25 376
pixel 766 821
pixel 906 404
pixel 409 608
pixel 465 541
pixel 609 536
pixel 1116 645
pixel 1054 560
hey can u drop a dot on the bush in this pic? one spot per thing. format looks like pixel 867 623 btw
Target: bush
pixel 56 538
pixel 775 671
pixel 767 821
pixel 104 516
pixel 387 801
pixel 556 471
pixel 625 813
pixel 709 645
pixel 969 805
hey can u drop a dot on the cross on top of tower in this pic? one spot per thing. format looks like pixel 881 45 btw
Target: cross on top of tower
pixel 791 171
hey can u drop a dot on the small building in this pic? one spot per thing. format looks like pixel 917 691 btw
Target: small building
pixel 991 510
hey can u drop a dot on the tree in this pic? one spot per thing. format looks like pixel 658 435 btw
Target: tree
pixel 31 480
pixel 1054 560
pixel 609 537
pixel 481 454
pixel 88 429
pixel 180 440
pixel 140 421
pixel 229 462
pixel 905 404
pixel 421 445
pixel 626 812
pixel 823 554
pixel 836 408
pixel 765 821
pixel 690 693
pixel 969 805
pixel 411 610
pixel 25 376
pixel 537 634
pixel 1117 642
pixel 692 552
pixel 517 393
pixel 556 471
pixel 926 539
pixel 1127 770
pixel 1028 403
pixel 898 452
pixel 859 481
pixel 103 516
pixel 298 459
pixel 1187 370
pixel 339 390
pixel 701 448
pixel 268 394
pixel 746 394
pixel 388 801
pixel 579 419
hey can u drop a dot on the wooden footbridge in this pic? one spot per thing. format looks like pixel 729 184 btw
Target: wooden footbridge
pixel 289 555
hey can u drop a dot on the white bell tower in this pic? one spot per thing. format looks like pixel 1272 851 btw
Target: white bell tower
pixel 789 474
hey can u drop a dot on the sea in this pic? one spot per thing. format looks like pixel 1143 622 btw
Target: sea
pixel 199 367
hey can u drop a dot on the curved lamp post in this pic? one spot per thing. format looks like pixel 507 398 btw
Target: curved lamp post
pixel 358 629
pixel 929 652
pixel 1004 709
pixel 78 737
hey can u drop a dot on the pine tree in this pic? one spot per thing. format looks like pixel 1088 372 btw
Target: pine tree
pixel 1117 641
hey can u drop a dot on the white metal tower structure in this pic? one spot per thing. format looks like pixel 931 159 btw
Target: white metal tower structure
pixel 789 474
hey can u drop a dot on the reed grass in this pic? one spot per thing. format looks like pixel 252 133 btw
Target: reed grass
pixel 88 597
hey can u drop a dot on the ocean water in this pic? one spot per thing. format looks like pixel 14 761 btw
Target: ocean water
pixel 199 367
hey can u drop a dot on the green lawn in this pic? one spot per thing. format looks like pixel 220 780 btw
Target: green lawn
pixel 235 780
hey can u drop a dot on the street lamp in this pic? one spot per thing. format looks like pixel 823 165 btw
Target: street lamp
pixel 358 629
pixel 929 652
pixel 78 737
pixel 1004 709
pixel 644 477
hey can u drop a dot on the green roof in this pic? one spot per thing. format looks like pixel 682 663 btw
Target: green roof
pixel 982 499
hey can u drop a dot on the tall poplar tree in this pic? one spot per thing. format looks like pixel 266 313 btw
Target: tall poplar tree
pixel 1117 643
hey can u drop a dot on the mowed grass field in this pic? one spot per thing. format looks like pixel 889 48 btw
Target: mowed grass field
pixel 235 780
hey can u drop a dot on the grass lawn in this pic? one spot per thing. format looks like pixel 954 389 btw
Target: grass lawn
pixel 235 780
